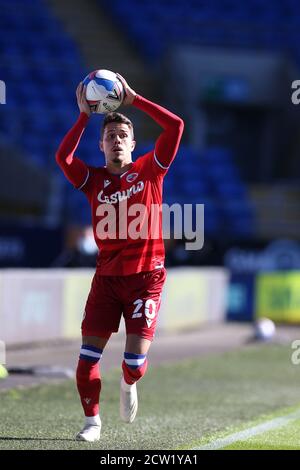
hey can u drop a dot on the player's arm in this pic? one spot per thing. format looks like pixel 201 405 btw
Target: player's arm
pixel 74 169
pixel 167 143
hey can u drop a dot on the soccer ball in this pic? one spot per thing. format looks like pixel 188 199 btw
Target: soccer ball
pixel 264 329
pixel 104 91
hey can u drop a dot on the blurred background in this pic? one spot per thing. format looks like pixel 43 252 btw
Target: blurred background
pixel 227 68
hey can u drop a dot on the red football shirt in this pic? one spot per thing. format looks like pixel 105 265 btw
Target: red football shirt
pixel 129 237
pixel 126 208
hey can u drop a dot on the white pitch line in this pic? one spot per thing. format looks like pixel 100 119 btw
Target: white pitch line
pixel 250 432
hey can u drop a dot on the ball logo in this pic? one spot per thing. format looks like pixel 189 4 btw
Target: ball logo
pixel 114 95
pixel 131 177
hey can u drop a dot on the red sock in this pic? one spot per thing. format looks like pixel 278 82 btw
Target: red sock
pixel 89 386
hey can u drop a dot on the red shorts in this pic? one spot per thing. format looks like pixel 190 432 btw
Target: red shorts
pixel 136 296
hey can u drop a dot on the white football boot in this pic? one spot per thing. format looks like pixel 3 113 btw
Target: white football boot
pixel 90 432
pixel 128 401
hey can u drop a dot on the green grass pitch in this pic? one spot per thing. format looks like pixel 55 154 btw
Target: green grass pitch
pixel 181 406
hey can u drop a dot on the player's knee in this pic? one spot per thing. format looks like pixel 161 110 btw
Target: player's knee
pixel 134 366
pixel 91 354
pixel 88 360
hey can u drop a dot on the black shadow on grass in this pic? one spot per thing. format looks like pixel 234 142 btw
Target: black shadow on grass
pixel 34 439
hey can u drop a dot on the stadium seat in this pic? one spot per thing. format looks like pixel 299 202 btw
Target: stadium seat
pixel 43 66
pixel 240 24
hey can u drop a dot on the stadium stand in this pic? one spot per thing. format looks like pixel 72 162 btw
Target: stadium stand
pixel 42 65
pixel 233 24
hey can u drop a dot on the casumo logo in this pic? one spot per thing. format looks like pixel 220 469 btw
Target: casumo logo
pixel 2 92
pixel 119 196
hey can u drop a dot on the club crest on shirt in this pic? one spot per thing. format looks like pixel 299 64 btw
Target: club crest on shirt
pixel 131 177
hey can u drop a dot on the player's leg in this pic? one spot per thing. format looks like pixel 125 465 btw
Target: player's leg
pixel 88 373
pixel 140 318
pixel 135 358
pixel 89 385
pixel 134 367
pixel 102 317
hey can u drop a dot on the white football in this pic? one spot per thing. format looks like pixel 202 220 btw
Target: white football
pixel 264 329
pixel 104 91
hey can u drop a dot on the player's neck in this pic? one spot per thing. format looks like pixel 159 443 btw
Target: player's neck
pixel 118 169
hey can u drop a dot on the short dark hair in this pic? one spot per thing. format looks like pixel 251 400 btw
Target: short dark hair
pixel 118 118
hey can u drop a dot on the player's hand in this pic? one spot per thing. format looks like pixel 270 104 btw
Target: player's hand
pixel 130 94
pixel 81 99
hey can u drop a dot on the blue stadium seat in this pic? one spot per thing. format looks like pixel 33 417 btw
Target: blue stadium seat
pixel 229 23
pixel 43 67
